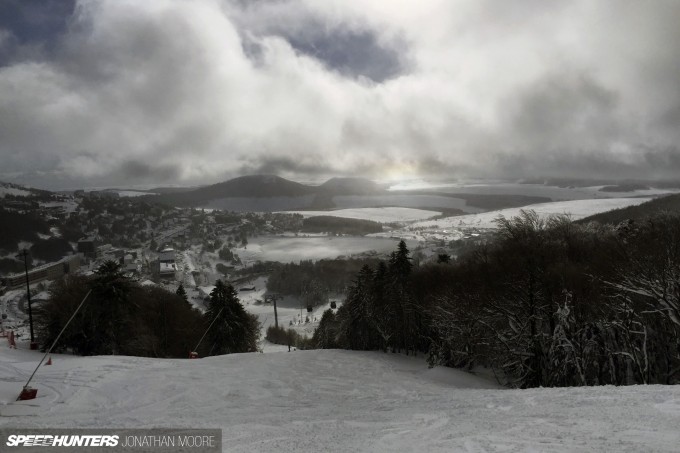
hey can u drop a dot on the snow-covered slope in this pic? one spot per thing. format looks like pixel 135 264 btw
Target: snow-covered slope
pixel 336 401
pixel 576 209
pixel 13 189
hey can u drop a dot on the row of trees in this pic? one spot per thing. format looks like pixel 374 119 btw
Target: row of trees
pixel 340 225
pixel 380 311
pixel 334 276
pixel 122 317
pixel 544 303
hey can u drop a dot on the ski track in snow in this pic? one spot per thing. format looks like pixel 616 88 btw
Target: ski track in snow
pixel 335 401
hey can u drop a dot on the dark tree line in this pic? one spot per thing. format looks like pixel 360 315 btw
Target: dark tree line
pixel 380 311
pixel 18 227
pixel 332 275
pixel 124 318
pixel 340 225
pixel 543 303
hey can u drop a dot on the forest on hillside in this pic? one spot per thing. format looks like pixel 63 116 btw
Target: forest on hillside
pixel 340 225
pixel 637 212
pixel 119 316
pixel 545 302
pixel 334 275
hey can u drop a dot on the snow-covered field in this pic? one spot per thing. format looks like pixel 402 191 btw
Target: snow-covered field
pixel 382 215
pixel 331 400
pixel 8 190
pixel 576 209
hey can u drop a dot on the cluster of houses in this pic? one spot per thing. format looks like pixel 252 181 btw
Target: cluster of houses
pixel 123 230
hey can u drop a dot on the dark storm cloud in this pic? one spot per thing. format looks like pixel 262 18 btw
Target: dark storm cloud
pixel 563 111
pixel 36 20
pixel 355 54
pixel 31 27
pixel 142 171
pixel 285 166
pixel 352 49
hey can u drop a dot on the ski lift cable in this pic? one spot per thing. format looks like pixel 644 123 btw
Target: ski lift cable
pixel 206 330
pixel 57 339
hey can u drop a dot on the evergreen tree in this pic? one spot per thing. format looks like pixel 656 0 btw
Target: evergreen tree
pixel 444 258
pixel 405 317
pixel 381 312
pixel 181 292
pixel 111 297
pixel 119 317
pixel 354 326
pixel 324 335
pixel 234 329
pixel 400 263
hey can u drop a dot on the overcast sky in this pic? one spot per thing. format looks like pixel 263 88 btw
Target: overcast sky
pixel 129 92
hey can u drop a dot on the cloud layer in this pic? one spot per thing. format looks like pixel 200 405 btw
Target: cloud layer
pixel 187 92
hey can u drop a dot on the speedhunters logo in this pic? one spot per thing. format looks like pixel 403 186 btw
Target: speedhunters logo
pixel 157 440
pixel 46 440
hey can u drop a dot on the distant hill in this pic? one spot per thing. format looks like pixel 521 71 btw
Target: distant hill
pixel 611 185
pixel 9 190
pixel 625 187
pixel 272 193
pixel 666 203
pixel 266 186
pixel 252 186
pixel 156 190
pixel 256 186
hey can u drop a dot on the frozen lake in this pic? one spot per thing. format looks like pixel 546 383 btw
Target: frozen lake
pixel 293 249
pixel 381 215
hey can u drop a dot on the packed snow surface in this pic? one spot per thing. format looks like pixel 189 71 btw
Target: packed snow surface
pixel 331 400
